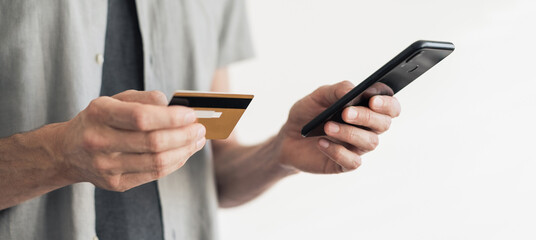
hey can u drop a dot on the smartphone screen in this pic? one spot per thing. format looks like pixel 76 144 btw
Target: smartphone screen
pixel 403 69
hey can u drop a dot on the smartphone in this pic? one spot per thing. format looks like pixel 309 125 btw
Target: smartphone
pixel 388 80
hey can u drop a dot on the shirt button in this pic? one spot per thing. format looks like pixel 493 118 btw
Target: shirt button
pixel 95 238
pixel 99 58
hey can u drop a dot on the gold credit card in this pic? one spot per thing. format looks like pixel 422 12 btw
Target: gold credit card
pixel 218 112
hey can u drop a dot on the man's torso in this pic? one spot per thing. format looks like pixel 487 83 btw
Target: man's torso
pixel 50 70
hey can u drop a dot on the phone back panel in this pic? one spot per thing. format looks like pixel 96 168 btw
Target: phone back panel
pixel 403 69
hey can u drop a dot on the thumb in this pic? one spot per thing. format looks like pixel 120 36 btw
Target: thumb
pixel 145 97
pixel 329 94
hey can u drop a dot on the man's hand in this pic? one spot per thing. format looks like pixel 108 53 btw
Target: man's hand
pixel 341 150
pixel 244 172
pixel 129 139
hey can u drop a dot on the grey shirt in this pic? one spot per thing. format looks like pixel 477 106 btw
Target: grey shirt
pixel 50 69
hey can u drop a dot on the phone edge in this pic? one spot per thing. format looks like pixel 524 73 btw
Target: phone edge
pixel 374 77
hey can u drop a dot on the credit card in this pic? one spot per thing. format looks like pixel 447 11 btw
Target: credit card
pixel 218 112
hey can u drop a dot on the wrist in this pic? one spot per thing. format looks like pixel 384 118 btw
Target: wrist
pixel 29 167
pixel 44 147
pixel 276 146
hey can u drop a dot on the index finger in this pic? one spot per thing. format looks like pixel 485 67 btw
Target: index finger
pixel 142 117
pixel 145 97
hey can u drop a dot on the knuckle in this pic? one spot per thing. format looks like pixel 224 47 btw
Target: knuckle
pixel 373 142
pixel 321 89
pixel 130 92
pixel 337 152
pixel 356 163
pixel 365 116
pixel 123 187
pixel 154 141
pixel 157 97
pixel 103 167
pixel 192 149
pixel 346 86
pixel 351 167
pixel 159 166
pixel 140 119
pixel 352 134
pixel 99 165
pixel 158 174
pixel 340 92
pixel 181 162
pixel 191 133
pixel 178 114
pixel 159 161
pixel 113 183
pixel 93 110
pixel 91 141
pixel 387 124
pixel 347 83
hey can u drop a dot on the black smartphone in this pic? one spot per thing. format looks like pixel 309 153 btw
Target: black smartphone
pixel 388 80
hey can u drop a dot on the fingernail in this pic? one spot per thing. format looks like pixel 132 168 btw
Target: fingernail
pixel 378 102
pixel 333 128
pixel 200 143
pixel 352 113
pixel 190 117
pixel 323 143
pixel 201 132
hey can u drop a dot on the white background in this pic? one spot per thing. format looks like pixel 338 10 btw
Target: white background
pixel 458 163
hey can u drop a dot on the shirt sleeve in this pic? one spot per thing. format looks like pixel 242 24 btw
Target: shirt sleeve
pixel 235 42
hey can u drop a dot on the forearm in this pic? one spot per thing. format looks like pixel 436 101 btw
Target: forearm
pixel 28 167
pixel 243 173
